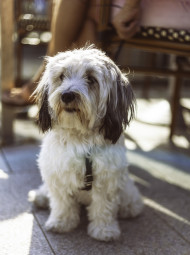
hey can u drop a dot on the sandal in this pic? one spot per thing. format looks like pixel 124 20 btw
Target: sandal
pixel 19 96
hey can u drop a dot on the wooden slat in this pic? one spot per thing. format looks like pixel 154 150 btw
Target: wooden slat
pixel 175 48
pixel 151 71
pixel 7 47
pixel 7 66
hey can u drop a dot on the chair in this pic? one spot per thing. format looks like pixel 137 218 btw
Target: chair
pixel 28 21
pixel 14 21
pixel 180 50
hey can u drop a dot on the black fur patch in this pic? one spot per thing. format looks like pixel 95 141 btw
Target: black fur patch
pixel 44 118
pixel 119 116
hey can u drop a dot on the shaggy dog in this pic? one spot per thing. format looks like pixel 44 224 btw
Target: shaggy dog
pixel 85 102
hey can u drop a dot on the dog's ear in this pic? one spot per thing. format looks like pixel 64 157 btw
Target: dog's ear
pixel 41 97
pixel 120 108
pixel 44 117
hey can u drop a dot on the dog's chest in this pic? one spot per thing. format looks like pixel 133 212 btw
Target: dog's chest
pixel 65 163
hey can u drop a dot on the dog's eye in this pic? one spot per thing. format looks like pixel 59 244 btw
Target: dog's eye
pixel 61 76
pixel 91 79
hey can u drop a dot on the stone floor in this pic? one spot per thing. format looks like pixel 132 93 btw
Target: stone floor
pixel 161 170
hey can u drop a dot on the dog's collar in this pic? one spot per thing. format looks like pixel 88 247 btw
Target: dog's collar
pixel 88 175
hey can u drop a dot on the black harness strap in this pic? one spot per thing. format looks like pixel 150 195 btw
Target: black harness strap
pixel 88 175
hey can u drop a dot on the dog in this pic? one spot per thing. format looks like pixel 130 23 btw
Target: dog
pixel 85 102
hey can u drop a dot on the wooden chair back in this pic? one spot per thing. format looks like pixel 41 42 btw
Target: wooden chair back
pixel 107 36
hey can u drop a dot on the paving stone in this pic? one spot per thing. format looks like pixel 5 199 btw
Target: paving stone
pixel 78 242
pixel 21 235
pixel 3 166
pixel 14 194
pixel 22 158
pixel 165 191
pixel 147 235
pixel 19 231
pixel 163 228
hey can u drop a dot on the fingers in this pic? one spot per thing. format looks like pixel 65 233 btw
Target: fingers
pixel 126 23
pixel 128 31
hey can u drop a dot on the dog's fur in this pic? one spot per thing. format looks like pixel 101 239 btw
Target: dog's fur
pixel 85 102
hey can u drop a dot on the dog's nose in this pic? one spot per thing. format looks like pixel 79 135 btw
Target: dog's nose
pixel 68 97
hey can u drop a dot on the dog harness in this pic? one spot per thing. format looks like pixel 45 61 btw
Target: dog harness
pixel 88 179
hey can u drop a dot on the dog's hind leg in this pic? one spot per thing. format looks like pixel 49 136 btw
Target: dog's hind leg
pixel 39 197
pixel 131 204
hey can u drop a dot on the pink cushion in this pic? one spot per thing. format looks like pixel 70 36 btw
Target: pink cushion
pixel 166 13
pixel 161 13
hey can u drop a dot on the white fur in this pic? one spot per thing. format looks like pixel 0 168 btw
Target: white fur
pixel 72 136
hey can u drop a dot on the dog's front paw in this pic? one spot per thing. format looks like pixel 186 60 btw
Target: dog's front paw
pixel 61 226
pixel 104 231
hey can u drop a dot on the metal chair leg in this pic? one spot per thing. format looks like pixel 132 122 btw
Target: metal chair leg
pixel 7 116
pixel 175 103
pixel 7 66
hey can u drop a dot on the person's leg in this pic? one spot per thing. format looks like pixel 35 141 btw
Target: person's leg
pixel 88 34
pixel 67 23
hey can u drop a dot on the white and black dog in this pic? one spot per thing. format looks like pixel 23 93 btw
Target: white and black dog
pixel 85 102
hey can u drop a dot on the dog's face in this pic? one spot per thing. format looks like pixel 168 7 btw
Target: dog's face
pixel 84 90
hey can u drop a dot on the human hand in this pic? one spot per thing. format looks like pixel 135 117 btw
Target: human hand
pixel 126 22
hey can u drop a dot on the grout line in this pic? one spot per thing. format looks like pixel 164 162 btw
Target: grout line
pixel 6 161
pixel 51 248
pixel 173 228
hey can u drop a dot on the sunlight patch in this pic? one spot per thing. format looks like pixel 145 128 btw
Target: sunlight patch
pixel 3 175
pixel 161 170
pixel 16 234
pixel 164 210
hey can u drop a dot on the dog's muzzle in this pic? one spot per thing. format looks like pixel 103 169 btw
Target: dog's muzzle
pixel 68 97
